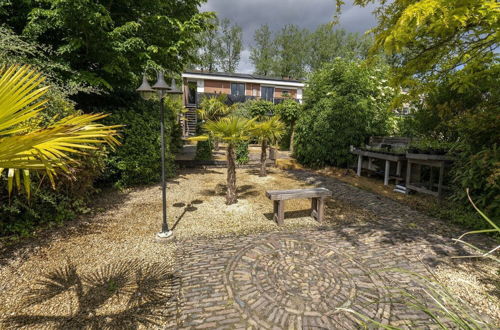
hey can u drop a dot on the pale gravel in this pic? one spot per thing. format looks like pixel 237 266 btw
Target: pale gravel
pixel 196 204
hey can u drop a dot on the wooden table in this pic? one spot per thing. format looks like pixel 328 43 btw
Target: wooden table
pixel 413 178
pixel 378 155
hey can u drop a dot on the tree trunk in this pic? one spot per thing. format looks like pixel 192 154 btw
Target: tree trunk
pixel 292 138
pixel 231 197
pixel 216 144
pixel 263 156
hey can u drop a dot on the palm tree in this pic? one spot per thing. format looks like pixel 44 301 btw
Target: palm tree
pixel 231 129
pixel 25 146
pixel 268 132
pixel 214 108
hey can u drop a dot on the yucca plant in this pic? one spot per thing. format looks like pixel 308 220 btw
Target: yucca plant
pixel 268 131
pixel 231 129
pixel 25 145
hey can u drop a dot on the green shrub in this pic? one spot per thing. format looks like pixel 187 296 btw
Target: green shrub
pixel 242 154
pixel 260 109
pixel 204 150
pixel 345 104
pixel 138 160
pixel 480 173
pixel 289 111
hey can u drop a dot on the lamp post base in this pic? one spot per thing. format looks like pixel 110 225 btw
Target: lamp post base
pixel 165 234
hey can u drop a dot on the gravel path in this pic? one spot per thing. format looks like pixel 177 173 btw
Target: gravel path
pixel 232 266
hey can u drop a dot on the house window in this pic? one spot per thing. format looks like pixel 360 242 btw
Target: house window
pixel 285 93
pixel 267 93
pixel 237 89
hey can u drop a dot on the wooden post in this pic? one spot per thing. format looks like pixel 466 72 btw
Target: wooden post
pixel 408 174
pixel 279 213
pixel 321 209
pixel 387 171
pixel 440 182
pixel 370 163
pixel 360 164
pixel 314 208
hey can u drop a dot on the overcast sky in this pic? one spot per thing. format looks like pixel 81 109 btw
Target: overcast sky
pixel 250 14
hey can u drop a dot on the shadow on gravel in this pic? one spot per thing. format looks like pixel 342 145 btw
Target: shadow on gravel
pixel 392 222
pixel 115 296
pixel 107 201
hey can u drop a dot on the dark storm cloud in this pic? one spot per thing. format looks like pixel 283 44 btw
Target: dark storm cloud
pixel 250 14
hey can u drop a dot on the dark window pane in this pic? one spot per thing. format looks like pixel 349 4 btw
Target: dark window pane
pixel 237 89
pixel 267 93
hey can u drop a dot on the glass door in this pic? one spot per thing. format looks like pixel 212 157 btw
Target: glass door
pixel 267 93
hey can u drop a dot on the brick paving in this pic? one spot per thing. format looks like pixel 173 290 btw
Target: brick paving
pixel 298 280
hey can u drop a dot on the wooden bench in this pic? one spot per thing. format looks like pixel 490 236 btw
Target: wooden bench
pixel 317 196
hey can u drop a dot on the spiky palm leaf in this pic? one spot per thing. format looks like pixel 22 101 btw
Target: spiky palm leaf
pixel 24 148
pixel 213 108
pixel 230 129
pixel 270 130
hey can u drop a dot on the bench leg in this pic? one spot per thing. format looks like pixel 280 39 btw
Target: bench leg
pixel 279 212
pixel 314 208
pixel 321 209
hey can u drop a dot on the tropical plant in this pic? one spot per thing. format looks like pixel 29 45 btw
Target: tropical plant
pixel 25 145
pixel 268 132
pixel 214 108
pixel 231 130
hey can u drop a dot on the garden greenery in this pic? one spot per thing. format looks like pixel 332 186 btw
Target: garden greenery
pixel 346 102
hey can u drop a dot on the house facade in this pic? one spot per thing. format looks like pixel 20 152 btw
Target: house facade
pixel 236 87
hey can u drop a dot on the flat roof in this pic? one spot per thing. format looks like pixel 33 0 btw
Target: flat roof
pixel 245 77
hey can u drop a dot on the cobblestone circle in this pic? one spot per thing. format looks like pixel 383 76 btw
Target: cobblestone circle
pixel 271 279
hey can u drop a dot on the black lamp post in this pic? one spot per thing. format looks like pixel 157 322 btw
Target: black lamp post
pixel 162 89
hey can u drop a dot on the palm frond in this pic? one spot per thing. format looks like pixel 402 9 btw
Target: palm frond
pixel 50 148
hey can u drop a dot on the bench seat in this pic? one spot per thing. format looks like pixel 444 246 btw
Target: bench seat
pixel 317 196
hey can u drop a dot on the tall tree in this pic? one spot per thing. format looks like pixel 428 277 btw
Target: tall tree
pixel 210 50
pixel 433 39
pixel 262 53
pixel 290 52
pixel 327 43
pixel 110 42
pixel 231 46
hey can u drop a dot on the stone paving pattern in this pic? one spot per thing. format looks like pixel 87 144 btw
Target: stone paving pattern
pixel 297 280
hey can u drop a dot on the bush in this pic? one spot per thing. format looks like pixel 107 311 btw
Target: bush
pixel 138 160
pixel 480 172
pixel 204 150
pixel 242 154
pixel 74 190
pixel 260 109
pixel 345 103
pixel 289 111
